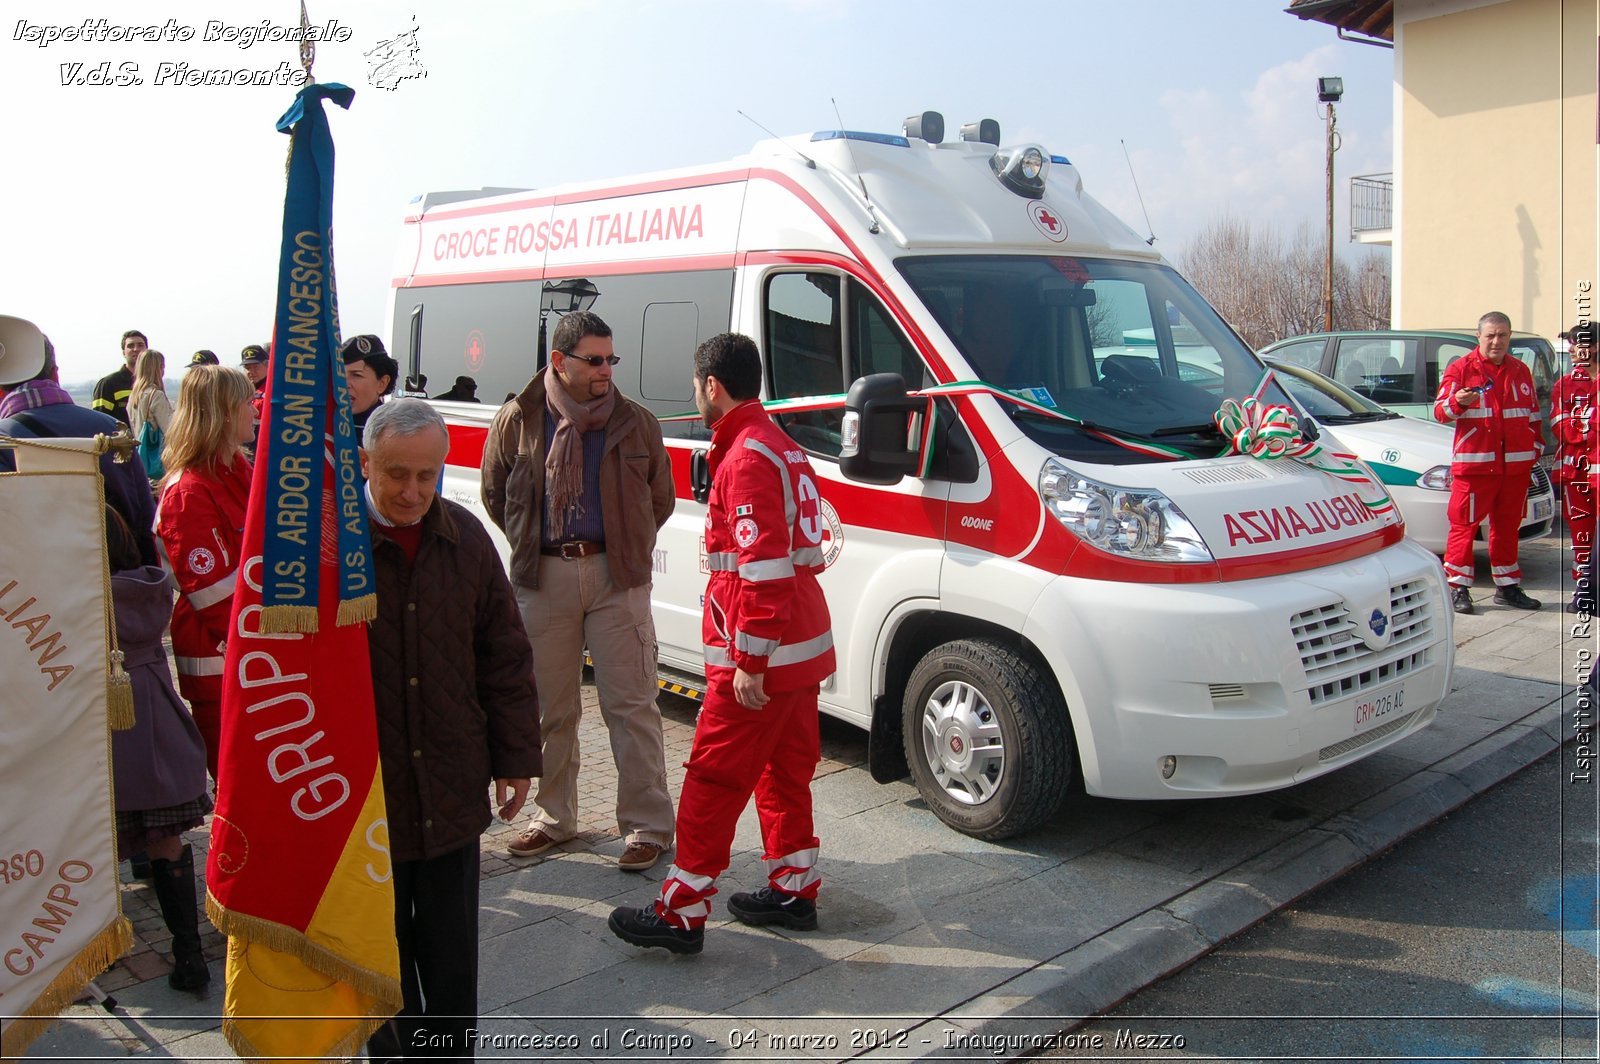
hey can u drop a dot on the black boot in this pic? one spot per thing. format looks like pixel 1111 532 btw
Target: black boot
pixel 174 883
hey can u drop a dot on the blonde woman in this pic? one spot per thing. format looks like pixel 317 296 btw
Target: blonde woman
pixel 201 524
pixel 150 412
pixel 148 401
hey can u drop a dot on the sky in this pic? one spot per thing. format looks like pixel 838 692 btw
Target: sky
pixel 158 205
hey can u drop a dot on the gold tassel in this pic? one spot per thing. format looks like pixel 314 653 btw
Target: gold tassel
pixel 119 695
pixel 358 610
pixel 281 619
pixel 99 954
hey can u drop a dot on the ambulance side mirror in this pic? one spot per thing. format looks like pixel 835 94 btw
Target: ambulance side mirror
pixel 881 430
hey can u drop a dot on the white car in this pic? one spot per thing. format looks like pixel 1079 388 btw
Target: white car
pixel 1411 457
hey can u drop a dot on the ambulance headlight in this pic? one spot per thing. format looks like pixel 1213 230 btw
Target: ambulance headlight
pixel 1022 169
pixel 1136 523
pixel 1435 479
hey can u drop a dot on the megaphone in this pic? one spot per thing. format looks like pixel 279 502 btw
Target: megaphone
pixel 22 353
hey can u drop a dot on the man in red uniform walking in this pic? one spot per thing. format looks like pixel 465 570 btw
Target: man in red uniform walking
pixel 1572 403
pixel 768 646
pixel 1489 398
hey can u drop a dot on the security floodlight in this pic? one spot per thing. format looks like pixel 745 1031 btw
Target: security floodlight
pixel 1329 89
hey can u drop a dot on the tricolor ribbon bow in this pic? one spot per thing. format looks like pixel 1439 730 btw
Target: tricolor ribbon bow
pixel 1268 431
pixel 1260 430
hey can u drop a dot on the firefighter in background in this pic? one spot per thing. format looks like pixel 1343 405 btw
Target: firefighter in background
pixel 253 360
pixel 1571 410
pixel 1489 398
pixel 768 646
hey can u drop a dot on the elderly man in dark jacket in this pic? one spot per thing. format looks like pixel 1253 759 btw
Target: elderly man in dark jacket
pixel 452 677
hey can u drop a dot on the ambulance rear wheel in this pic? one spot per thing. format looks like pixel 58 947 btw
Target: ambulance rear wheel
pixel 987 738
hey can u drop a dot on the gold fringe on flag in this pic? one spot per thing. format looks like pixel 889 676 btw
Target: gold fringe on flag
pixel 281 619
pixel 101 952
pixel 358 610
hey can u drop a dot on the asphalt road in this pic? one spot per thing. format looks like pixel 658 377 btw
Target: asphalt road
pixel 1473 939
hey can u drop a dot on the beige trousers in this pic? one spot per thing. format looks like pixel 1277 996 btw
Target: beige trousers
pixel 576 605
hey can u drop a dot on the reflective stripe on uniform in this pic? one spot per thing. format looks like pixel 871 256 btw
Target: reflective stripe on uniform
pixel 200 666
pixel 722 561
pixel 749 644
pixel 1476 411
pixel 783 475
pixel 1470 456
pixel 1520 456
pixel 1516 411
pixel 767 569
pixel 213 593
pixel 786 654
pixel 808 556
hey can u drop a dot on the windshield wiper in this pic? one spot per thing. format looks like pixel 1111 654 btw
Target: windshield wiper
pixel 1363 416
pixel 1207 429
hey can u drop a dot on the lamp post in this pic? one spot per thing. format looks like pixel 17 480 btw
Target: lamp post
pixel 563 297
pixel 1328 91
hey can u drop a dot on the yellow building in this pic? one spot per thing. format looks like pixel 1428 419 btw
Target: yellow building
pixel 1496 132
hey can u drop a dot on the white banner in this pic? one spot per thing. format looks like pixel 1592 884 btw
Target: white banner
pixel 61 921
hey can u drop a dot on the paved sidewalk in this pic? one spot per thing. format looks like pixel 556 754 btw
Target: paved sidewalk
pixel 932 943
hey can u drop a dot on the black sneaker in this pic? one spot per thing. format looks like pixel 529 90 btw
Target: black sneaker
pixel 644 927
pixel 1512 595
pixel 1461 600
pixel 767 906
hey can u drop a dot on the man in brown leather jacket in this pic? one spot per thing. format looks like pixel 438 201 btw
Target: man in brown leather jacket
pixel 452 681
pixel 576 475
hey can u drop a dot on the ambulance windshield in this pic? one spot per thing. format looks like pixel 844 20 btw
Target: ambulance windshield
pixel 1126 346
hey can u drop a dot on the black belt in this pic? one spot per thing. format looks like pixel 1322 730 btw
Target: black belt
pixel 573 549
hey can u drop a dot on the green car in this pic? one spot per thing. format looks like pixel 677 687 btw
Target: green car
pixel 1400 369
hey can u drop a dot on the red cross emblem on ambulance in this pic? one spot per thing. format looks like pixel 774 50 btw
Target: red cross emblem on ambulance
pixel 1047 221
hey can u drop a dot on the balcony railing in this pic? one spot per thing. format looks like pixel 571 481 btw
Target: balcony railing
pixel 1371 206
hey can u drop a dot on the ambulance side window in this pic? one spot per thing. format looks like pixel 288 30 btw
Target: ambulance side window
pixel 877 344
pixel 805 352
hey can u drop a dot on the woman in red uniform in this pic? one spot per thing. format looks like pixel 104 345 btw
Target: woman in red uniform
pixel 201 524
pixel 1572 403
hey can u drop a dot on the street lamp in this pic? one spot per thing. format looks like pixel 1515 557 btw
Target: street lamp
pixel 563 297
pixel 1328 91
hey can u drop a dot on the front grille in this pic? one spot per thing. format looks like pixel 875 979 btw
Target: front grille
pixel 1539 483
pixel 1338 663
pixel 1356 742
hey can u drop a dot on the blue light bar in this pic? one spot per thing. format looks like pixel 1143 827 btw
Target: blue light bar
pixel 890 139
pixel 1060 160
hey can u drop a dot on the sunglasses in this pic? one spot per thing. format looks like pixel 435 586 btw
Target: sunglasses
pixel 595 361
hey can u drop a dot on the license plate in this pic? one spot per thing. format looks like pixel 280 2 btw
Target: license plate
pixel 1540 509
pixel 1371 711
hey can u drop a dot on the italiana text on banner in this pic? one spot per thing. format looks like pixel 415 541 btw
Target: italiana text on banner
pixel 61 921
pixel 298 876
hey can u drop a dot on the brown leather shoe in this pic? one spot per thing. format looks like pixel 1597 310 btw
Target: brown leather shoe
pixel 531 843
pixel 639 856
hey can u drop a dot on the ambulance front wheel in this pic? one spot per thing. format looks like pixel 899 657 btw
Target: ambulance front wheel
pixel 987 738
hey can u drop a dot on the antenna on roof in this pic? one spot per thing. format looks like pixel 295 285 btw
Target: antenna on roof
pixel 1152 240
pixel 809 161
pixel 860 180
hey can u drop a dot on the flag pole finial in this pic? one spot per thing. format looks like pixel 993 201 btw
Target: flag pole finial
pixel 308 47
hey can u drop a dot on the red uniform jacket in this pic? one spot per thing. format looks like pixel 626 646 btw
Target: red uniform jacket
pixel 1571 412
pixel 1500 434
pixel 764 610
pixel 201 525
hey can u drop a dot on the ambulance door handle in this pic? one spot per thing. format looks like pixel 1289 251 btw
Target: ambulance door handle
pixel 700 476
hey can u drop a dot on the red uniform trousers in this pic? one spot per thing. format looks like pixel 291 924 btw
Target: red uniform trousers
pixel 1502 499
pixel 1577 501
pixel 771 752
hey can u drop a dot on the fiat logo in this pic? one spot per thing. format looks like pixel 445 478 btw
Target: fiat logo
pixel 956 745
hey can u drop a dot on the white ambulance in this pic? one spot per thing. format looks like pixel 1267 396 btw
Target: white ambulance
pixel 1045 563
